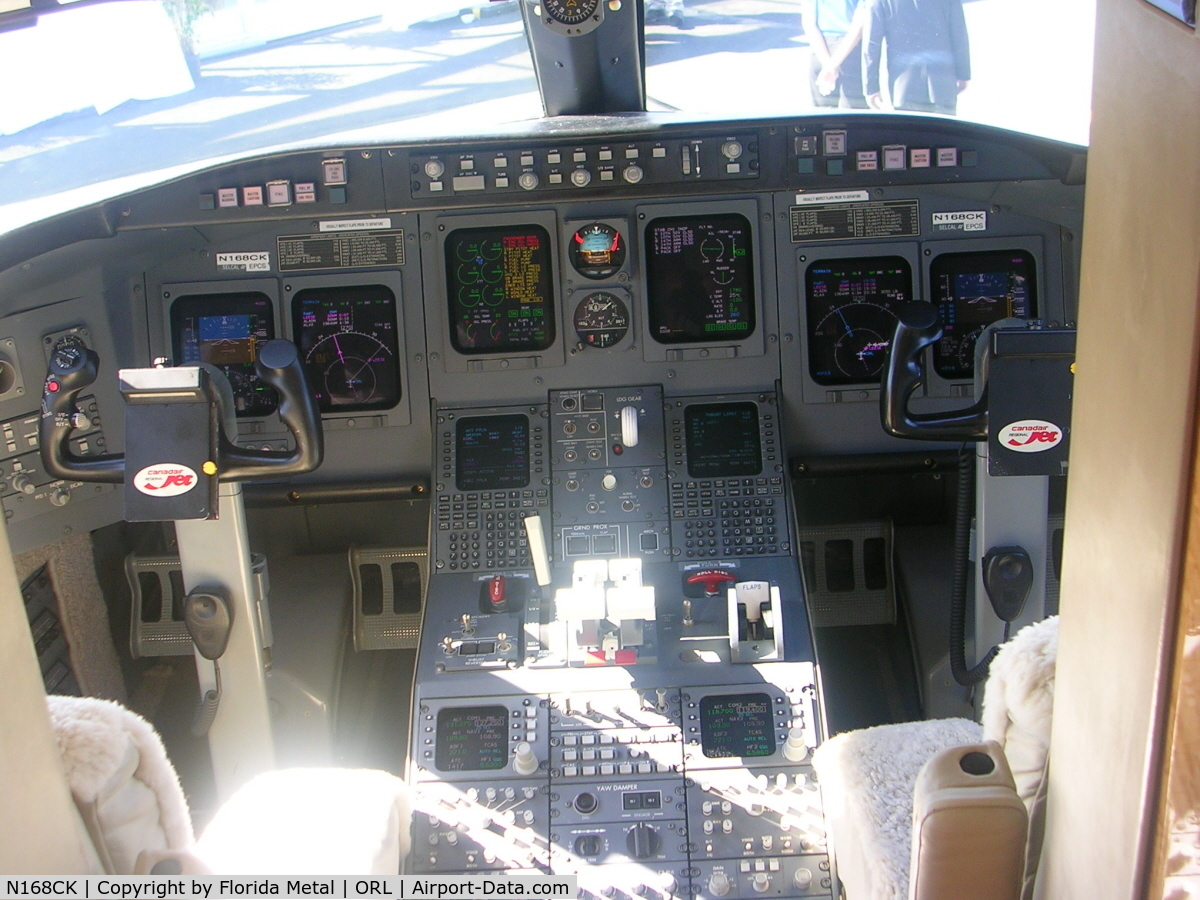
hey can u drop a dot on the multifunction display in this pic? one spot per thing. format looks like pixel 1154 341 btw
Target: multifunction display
pixel 492 452
pixel 225 331
pixel 973 290
pixel 737 725
pixel 852 305
pixel 472 738
pixel 722 440
pixel 700 279
pixel 501 289
pixel 347 338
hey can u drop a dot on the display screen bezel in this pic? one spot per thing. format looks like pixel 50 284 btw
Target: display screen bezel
pixel 390 398
pixel 473 762
pixel 667 295
pixel 822 350
pixel 546 283
pixel 504 475
pixel 226 303
pixel 715 747
pixel 955 263
pixel 704 461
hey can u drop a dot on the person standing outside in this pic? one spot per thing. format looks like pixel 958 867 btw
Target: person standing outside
pixel 834 31
pixel 928 55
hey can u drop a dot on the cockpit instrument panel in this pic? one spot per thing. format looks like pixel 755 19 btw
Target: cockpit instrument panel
pixel 700 279
pixel 739 725
pixel 722 440
pixel 225 331
pixel 973 290
pixel 501 289
pixel 347 338
pixel 492 452
pixel 597 251
pixel 852 305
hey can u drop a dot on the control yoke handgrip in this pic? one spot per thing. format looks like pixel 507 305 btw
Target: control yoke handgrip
pixel 917 328
pixel 72 368
pixel 278 364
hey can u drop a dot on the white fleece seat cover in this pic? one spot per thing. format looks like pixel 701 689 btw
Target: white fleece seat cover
pixel 125 788
pixel 867 776
pixel 311 822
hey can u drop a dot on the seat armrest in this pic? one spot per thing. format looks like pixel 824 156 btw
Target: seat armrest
pixel 969 827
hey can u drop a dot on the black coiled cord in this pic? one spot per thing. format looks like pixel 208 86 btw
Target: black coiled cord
pixel 962 569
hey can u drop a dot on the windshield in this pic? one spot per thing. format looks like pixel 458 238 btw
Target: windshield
pixel 113 96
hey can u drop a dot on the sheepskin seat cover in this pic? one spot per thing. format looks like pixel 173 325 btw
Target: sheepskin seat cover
pixel 311 822
pixel 867 777
pixel 126 790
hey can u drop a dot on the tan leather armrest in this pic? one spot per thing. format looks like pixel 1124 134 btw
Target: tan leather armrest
pixel 969 827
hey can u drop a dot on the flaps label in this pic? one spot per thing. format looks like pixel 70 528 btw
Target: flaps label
pixel 165 480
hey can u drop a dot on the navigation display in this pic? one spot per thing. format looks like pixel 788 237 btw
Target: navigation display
pixel 973 290
pixel 722 440
pixel 737 725
pixel 492 452
pixel 501 289
pixel 225 330
pixel 700 279
pixel 347 339
pixel 472 738
pixel 852 305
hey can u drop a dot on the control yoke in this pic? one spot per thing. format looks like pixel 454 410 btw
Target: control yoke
pixel 917 328
pixel 151 394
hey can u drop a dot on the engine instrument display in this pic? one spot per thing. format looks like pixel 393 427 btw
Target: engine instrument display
pixel 472 738
pixel 973 290
pixel 347 339
pixel 597 251
pixel 722 440
pixel 492 452
pixel 700 279
pixel 601 319
pixel 225 331
pixel 501 289
pixel 737 725
pixel 852 305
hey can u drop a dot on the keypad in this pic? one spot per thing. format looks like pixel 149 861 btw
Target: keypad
pixel 486 529
pixel 723 517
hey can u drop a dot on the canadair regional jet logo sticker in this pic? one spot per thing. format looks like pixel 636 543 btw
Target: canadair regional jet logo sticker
pixel 165 480
pixel 1030 436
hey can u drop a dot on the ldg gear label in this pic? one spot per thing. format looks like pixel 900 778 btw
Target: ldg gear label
pixel 851 221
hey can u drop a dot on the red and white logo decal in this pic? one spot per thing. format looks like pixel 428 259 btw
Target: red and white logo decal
pixel 165 480
pixel 1030 436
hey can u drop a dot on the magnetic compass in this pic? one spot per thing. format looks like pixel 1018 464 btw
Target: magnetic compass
pixel 570 12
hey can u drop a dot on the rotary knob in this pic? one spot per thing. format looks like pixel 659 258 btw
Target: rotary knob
pixel 525 762
pixel 581 177
pixel 795 749
pixel 731 149
pixel 718 884
pixel 762 882
pixel 21 482
pixel 803 878
pixel 609 482
pixel 528 180
pixel 643 841
pixel 60 496
pixel 632 174
pixel 434 168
